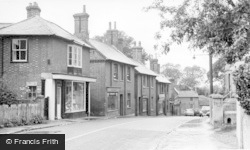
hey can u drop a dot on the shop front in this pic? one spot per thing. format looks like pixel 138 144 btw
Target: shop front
pixel 69 95
pixel 114 108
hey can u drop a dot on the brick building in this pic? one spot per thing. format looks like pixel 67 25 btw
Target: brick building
pixel 145 85
pixel 113 93
pixel 162 90
pixel 38 57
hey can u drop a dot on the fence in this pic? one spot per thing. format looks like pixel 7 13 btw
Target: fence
pixel 25 109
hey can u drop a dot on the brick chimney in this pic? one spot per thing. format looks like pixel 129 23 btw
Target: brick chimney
pixel 155 66
pixel 81 24
pixel 112 35
pixel 137 52
pixel 33 10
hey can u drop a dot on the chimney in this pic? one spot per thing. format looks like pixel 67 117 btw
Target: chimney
pixel 81 24
pixel 155 66
pixel 33 10
pixel 112 35
pixel 137 52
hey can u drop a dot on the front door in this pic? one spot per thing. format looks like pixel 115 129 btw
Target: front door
pixel 121 104
pixel 58 100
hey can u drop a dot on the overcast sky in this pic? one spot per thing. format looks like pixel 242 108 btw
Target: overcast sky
pixel 128 14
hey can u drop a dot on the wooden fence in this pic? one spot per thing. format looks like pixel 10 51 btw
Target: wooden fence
pixel 24 110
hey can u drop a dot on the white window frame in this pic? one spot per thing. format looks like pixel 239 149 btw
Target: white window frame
pixel 15 50
pixel 76 60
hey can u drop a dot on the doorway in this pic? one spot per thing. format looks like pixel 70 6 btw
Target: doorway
pixel 58 105
pixel 121 105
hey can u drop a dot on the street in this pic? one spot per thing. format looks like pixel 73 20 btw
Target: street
pixel 135 133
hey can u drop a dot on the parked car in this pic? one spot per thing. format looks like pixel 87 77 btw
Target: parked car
pixel 208 113
pixel 189 112
pixel 197 113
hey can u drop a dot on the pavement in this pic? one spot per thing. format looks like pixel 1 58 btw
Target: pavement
pixel 47 124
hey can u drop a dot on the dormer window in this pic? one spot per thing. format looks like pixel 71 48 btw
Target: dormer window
pixel 19 50
pixel 74 56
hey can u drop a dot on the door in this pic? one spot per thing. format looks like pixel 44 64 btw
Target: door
pixel 58 100
pixel 121 105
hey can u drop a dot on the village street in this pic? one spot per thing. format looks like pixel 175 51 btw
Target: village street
pixel 137 133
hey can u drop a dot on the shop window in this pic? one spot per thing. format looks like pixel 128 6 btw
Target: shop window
pixel 129 100
pixel 19 50
pixel 75 97
pixel 112 101
pixel 116 71
pixel 32 93
pixel 129 74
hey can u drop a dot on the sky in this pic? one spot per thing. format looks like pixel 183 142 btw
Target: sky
pixel 129 15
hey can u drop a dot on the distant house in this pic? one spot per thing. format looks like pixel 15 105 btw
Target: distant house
pixel 145 85
pixel 185 100
pixel 38 57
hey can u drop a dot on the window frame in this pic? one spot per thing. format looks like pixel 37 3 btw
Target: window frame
pixel 152 82
pixel 128 73
pixel 13 49
pixel 76 56
pixel 122 72
pixel 116 72
pixel 31 91
pixel 144 80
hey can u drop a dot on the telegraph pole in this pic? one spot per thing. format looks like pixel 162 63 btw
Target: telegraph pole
pixel 211 72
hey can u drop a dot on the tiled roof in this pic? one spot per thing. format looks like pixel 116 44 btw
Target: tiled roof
pixel 141 68
pixel 2 25
pixel 111 53
pixel 39 26
pixel 187 94
pixel 162 79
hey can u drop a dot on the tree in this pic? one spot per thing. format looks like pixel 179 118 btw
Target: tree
pixel 218 70
pixel 126 42
pixel 221 27
pixel 192 76
pixel 172 71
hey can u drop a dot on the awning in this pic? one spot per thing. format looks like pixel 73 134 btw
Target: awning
pixel 67 77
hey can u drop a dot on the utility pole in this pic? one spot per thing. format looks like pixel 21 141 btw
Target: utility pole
pixel 211 72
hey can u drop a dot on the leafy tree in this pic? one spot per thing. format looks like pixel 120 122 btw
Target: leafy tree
pixel 125 43
pixel 218 70
pixel 192 76
pixel 172 71
pixel 219 26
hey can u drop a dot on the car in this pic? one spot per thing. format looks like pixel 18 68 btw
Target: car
pixel 208 113
pixel 189 112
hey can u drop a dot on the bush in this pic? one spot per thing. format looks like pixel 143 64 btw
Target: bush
pixel 6 96
pixel 37 119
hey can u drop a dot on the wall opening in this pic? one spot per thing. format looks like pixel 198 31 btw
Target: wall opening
pixel 228 120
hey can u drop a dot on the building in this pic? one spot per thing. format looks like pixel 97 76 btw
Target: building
pixel 185 100
pixel 162 90
pixel 145 85
pixel 38 57
pixel 113 93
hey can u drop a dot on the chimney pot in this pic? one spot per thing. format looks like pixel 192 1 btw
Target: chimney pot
pixel 109 25
pixel 84 9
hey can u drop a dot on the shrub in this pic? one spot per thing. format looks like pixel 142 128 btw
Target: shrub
pixel 37 119
pixel 6 96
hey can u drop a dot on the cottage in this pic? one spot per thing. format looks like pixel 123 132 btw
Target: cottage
pixel 162 90
pixel 145 85
pixel 38 57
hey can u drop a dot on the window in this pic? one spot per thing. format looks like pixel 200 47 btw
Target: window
pixel 129 100
pixel 144 104
pixel 148 78
pixel 122 73
pixel 112 101
pixel 152 82
pixel 129 74
pixel 162 88
pixel 144 81
pixel 116 71
pixel 191 99
pixel 74 56
pixel 75 96
pixel 19 50
pixel 32 92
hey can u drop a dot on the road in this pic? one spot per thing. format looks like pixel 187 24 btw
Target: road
pixel 132 133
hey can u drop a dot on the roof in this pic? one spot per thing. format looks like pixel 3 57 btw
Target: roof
pixel 111 53
pixel 2 25
pixel 141 68
pixel 39 26
pixel 162 79
pixel 187 94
